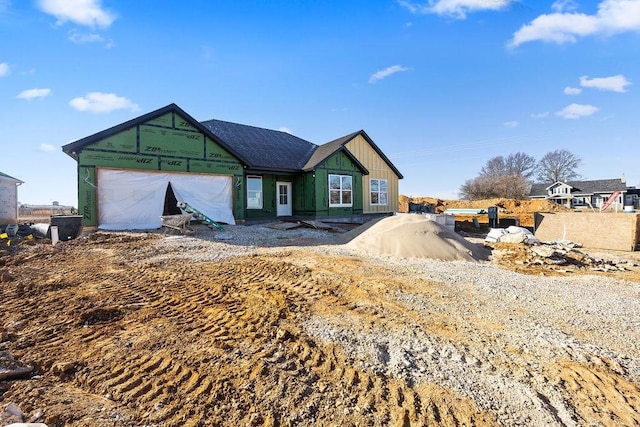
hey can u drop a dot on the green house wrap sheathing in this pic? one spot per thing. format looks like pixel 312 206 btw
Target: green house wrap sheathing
pixel 166 143
pixel 311 191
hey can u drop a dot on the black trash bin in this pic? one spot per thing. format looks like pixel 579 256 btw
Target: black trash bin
pixel 69 226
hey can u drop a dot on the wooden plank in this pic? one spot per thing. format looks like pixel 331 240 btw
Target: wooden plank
pixel 316 224
pixel 284 225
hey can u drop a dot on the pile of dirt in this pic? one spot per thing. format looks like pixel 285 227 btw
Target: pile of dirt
pixel 506 206
pixel 522 210
pixel 413 236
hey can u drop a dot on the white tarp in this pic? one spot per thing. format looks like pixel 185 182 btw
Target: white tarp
pixel 134 200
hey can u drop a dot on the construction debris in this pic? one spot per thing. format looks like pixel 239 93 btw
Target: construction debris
pixel 557 256
pixel 10 368
pixel 511 234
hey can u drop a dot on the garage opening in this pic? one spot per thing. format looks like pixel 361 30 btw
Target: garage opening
pixel 170 203
pixel 135 200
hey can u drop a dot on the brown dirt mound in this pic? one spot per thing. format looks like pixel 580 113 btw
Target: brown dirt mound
pixel 412 236
pixel 523 210
pixel 506 205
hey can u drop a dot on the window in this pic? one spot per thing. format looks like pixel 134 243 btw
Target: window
pixel 340 190
pixel 254 192
pixel 379 195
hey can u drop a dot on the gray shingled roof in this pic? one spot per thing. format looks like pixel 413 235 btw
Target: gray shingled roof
pixel 325 150
pixel 4 175
pixel 263 148
pixel 584 187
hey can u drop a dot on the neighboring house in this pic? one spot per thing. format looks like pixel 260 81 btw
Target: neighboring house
pixel 8 199
pixel 131 174
pixel 579 194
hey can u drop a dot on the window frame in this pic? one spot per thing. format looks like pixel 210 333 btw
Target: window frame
pixel 342 191
pixel 258 194
pixel 379 192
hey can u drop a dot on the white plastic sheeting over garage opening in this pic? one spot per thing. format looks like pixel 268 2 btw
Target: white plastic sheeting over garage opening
pixel 134 200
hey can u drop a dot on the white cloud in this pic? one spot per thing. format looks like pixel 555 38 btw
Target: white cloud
pixel 47 148
pixel 511 124
pixel 564 6
pixel 82 12
pixel 454 8
pixel 382 74
pixel 540 115
pixel 576 111
pixel 613 16
pixel 4 69
pixel 98 102
pixel 82 38
pixel 34 93
pixel 613 83
pixel 572 90
pixel 285 129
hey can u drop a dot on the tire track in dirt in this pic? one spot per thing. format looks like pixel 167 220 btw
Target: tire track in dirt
pixel 222 343
pixel 598 392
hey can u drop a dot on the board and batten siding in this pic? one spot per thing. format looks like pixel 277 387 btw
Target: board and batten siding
pixel 378 169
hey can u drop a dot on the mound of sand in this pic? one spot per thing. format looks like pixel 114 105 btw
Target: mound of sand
pixel 413 236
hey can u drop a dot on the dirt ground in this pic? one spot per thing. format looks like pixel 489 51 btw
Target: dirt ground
pixel 522 210
pixel 121 336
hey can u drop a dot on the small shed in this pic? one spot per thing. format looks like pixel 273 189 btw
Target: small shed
pixel 8 199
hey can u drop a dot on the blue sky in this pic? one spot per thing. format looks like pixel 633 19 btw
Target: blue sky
pixel 440 86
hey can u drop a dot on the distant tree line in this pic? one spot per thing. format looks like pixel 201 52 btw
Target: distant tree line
pixel 511 177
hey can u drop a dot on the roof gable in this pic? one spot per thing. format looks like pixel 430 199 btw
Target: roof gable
pixel 159 117
pixel 559 184
pixel 343 141
pixel 325 151
pixel 264 149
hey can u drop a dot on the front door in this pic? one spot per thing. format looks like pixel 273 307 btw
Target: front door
pixel 284 198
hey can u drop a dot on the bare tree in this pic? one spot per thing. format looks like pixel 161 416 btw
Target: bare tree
pixel 558 165
pixel 494 167
pixel 520 164
pixel 488 187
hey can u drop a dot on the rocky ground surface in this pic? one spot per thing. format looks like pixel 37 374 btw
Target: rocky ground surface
pixel 256 326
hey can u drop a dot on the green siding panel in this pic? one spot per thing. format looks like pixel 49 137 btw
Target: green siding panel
pixel 165 121
pixel 203 166
pixel 122 142
pixel 215 152
pixel 117 160
pixel 182 123
pixel 338 164
pixel 178 165
pixel 87 196
pixel 167 142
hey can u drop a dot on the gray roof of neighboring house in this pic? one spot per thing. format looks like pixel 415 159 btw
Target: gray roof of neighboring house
pixel 5 176
pixel 583 187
